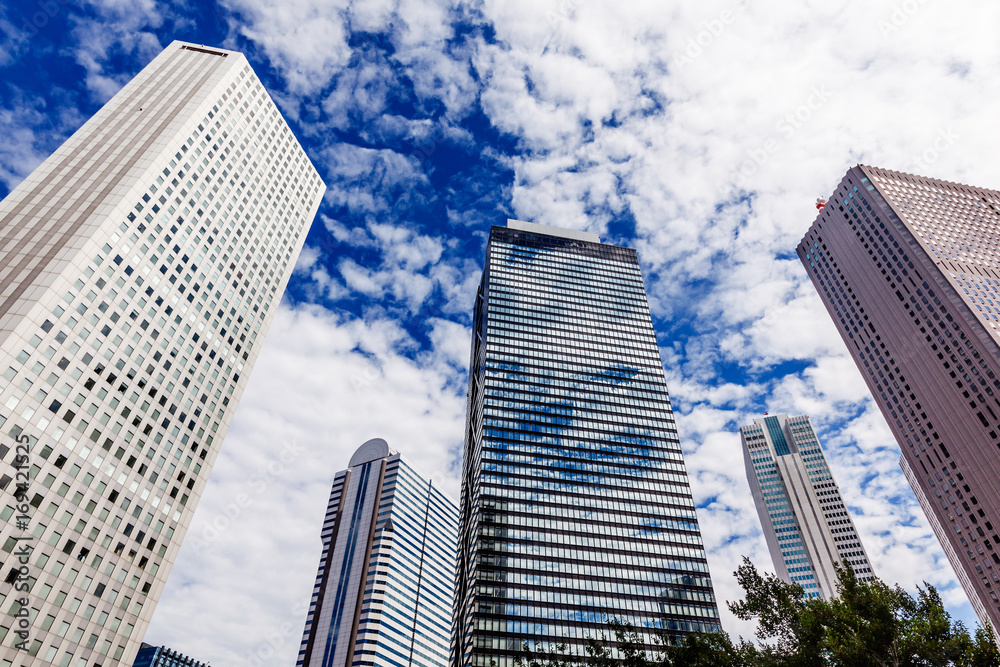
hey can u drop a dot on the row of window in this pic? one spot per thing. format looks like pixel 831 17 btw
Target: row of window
pixel 115 316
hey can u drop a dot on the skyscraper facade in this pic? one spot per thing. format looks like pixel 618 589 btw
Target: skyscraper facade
pixel 140 267
pixel 575 506
pixel 386 577
pixel 806 524
pixel 909 271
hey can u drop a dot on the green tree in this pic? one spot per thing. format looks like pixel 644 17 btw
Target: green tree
pixel 868 624
pixel 786 625
pixel 628 649
pixel 710 649
pixel 559 656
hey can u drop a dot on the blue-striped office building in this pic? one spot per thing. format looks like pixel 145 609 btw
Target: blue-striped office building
pixel 806 524
pixel 383 592
pixel 161 656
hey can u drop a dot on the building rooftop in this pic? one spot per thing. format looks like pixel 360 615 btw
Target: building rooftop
pixel 535 228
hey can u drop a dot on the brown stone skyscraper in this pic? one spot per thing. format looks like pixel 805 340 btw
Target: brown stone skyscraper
pixel 909 269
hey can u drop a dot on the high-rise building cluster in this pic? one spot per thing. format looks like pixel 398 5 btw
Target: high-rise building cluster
pixel 140 269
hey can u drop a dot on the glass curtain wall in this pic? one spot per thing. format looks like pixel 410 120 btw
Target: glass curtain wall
pixel 576 506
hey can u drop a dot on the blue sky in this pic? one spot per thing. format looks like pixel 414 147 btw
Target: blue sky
pixel 699 133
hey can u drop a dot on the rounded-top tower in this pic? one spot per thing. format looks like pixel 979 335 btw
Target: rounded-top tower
pixel 372 450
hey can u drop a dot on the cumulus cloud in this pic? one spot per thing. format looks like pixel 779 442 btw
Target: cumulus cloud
pixel 115 29
pixel 306 41
pixel 313 399
pixel 20 154
pixel 367 180
pixel 407 269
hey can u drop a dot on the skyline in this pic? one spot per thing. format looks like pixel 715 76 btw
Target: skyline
pixel 380 315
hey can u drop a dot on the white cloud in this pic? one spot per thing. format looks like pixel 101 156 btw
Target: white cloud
pixel 33 131
pixel 458 282
pixel 438 65
pixel 307 259
pixel 305 40
pixel 409 267
pixel 117 27
pixel 361 93
pixel 367 180
pixel 410 251
pixel 451 342
pixel 17 29
pixel 405 286
pixel 322 386
pixel 20 153
pixel 354 236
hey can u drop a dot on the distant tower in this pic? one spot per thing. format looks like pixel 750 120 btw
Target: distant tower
pixel 909 269
pixel 383 593
pixel 805 522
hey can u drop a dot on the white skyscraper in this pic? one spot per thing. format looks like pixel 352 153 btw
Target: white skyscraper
pixel 140 267
pixel 805 522
pixel 386 578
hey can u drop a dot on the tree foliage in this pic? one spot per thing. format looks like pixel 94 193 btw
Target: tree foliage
pixel 869 624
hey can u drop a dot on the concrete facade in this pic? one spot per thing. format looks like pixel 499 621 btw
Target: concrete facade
pixel 140 268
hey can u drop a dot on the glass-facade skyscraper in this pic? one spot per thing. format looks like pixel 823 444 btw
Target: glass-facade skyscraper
pixel 575 502
pixel 806 524
pixel 386 577
pixel 140 267
pixel 161 656
pixel 909 269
